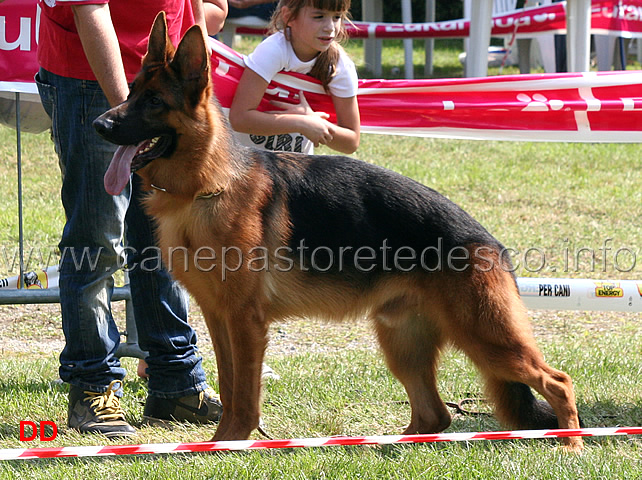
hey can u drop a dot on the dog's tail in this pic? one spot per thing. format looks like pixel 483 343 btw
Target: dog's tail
pixel 516 406
pixel 500 341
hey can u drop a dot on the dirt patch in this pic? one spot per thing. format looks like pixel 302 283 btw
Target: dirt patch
pixel 33 329
pixel 36 329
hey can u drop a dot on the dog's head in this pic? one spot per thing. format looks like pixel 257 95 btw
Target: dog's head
pixel 169 96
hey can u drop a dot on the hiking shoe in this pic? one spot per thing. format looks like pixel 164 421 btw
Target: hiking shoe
pixel 203 407
pixel 92 412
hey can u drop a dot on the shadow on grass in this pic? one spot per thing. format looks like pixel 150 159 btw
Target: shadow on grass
pixel 609 413
pixel 27 387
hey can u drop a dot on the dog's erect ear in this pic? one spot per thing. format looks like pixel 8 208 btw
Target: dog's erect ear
pixel 160 48
pixel 191 61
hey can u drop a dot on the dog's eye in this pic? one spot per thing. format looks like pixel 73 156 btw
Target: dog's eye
pixel 156 101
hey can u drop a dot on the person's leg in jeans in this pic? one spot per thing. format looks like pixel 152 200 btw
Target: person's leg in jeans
pixel 91 251
pixel 90 248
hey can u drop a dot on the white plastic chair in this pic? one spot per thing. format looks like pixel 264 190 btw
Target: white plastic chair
pixel 545 42
pixel 231 24
pixel 502 6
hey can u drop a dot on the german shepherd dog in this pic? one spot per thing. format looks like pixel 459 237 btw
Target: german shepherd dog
pixel 260 236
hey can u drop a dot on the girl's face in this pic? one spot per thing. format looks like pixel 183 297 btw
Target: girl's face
pixel 313 31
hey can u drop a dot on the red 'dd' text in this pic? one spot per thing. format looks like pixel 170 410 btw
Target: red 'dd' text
pixel 31 430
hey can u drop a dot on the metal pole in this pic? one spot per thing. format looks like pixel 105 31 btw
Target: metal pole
pixel 406 17
pixel 19 167
pixel 429 42
pixel 481 16
pixel 578 35
pixel 372 11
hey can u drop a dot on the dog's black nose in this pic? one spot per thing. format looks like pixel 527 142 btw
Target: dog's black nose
pixel 103 125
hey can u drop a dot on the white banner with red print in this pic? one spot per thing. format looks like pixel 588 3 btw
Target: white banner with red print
pixel 578 107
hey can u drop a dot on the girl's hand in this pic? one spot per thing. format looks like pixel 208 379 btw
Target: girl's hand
pixel 244 116
pixel 314 125
pixel 317 129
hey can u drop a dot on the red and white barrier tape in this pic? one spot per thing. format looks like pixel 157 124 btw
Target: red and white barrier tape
pixel 239 445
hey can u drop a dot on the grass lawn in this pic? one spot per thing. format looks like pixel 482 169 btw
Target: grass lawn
pixel 333 381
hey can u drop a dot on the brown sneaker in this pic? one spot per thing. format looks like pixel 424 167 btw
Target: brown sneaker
pixel 92 412
pixel 203 407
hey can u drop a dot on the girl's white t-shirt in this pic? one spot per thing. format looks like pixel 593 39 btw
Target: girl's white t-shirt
pixel 275 54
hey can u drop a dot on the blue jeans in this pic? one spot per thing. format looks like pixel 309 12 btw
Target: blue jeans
pixel 91 251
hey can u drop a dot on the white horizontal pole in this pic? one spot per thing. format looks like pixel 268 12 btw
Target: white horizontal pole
pixel 581 294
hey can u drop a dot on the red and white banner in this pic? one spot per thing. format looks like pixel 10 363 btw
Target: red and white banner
pixel 569 107
pixel 19 23
pixel 579 107
pixel 19 26
pixel 522 22
pixel 622 18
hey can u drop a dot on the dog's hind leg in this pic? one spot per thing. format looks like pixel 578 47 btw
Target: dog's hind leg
pixel 515 405
pixel 508 387
pixel 411 345
pixel 491 327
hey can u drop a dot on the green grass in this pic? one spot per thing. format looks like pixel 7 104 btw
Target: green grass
pixel 351 392
pixel 43 215
pixel 549 196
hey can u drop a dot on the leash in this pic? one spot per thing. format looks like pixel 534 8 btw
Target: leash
pixel 460 409
pixel 459 406
pixel 261 429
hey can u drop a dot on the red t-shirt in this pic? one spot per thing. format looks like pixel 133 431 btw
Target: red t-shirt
pixel 59 47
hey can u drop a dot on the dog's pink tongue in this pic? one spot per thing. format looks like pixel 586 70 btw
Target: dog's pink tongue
pixel 119 170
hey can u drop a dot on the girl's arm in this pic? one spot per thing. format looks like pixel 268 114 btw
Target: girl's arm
pixel 345 134
pixel 348 132
pixel 244 117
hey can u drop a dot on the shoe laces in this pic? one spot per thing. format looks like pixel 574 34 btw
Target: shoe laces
pixel 204 395
pixel 106 405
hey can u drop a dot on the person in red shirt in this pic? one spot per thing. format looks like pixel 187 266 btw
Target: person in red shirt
pixel 89 51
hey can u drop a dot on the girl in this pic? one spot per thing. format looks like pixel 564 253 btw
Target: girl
pixel 305 40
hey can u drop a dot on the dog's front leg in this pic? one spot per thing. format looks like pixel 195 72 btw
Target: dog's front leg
pixel 219 334
pixel 247 337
